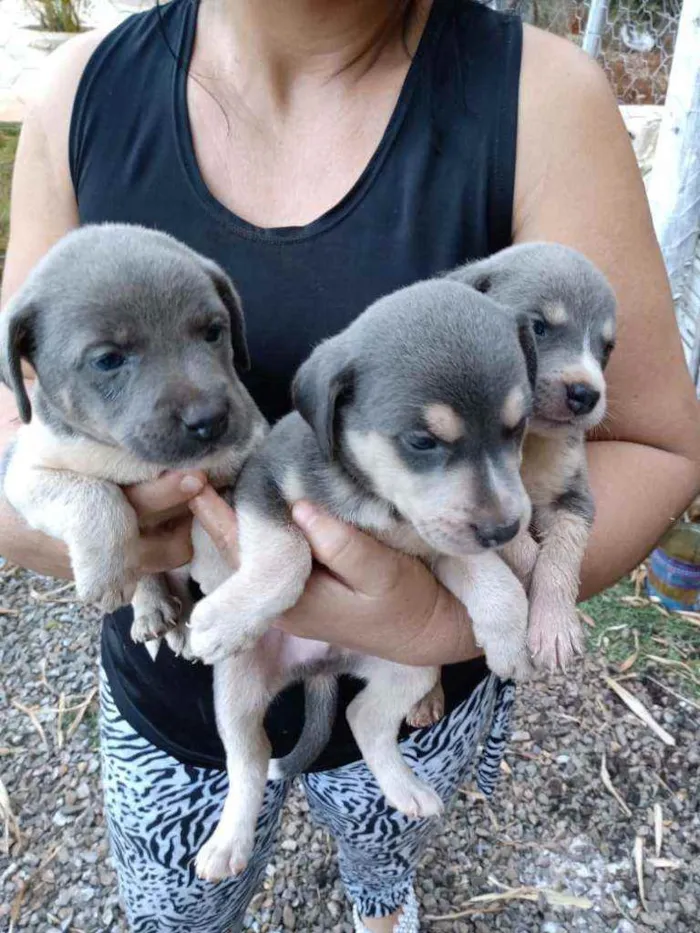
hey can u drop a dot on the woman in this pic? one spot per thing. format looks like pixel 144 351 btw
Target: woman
pixel 325 152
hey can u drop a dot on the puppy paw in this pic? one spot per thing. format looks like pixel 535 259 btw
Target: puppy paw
pixel 221 858
pixel 107 592
pixel 414 798
pixel 554 638
pixel 154 621
pixel 178 640
pixel 429 710
pixel 214 635
pixel 509 661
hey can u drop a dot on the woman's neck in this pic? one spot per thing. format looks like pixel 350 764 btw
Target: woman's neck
pixel 283 42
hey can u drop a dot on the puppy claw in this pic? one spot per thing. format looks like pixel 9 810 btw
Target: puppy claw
pixel 154 622
pixel 429 710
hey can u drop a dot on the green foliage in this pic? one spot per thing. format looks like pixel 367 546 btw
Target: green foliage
pixel 58 15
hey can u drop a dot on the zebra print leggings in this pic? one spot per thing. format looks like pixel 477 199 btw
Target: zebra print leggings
pixel 160 811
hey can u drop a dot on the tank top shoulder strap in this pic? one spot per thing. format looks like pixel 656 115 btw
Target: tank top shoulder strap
pixel 129 72
pixel 474 86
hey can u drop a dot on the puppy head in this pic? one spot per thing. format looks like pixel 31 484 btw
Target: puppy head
pixel 134 339
pixel 572 309
pixel 424 399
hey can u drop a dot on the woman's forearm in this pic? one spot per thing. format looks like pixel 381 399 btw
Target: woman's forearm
pixel 639 492
pixel 21 545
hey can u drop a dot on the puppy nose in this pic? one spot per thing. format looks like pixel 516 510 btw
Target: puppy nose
pixel 206 422
pixel 490 536
pixel 581 398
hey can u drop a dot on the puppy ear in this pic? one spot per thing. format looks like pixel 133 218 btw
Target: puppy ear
pixel 16 337
pixel 529 347
pixel 231 299
pixel 321 384
pixel 477 275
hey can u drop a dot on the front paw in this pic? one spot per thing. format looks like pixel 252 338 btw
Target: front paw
pixel 509 660
pixel 214 635
pixel 221 858
pixel 108 591
pixel 555 637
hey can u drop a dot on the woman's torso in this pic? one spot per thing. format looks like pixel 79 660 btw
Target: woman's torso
pixel 437 191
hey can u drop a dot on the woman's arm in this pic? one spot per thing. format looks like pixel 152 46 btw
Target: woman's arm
pixel 577 183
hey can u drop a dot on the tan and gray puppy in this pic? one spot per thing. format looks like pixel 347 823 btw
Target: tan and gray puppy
pixel 134 339
pixel 409 425
pixel 572 309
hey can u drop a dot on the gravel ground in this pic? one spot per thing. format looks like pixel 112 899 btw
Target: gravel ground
pixel 552 827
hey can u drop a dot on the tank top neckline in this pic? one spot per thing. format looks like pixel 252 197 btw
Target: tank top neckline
pixel 336 213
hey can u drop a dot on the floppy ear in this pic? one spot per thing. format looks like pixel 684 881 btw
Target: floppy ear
pixel 529 347
pixel 231 299
pixel 475 274
pixel 319 387
pixel 16 332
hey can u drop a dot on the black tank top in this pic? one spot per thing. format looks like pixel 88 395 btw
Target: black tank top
pixel 437 191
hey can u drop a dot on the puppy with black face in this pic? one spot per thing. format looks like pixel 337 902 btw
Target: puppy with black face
pixel 409 424
pixel 135 340
pixel 572 309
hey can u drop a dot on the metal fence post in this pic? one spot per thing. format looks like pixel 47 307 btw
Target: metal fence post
pixel 595 24
pixel 674 187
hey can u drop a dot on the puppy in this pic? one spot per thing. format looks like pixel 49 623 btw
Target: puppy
pixel 134 339
pixel 572 309
pixel 409 425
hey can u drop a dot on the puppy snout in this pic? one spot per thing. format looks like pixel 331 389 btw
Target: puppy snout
pixel 206 421
pixel 490 536
pixel 581 399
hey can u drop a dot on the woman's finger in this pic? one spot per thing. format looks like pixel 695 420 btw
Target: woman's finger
pixel 165 495
pixel 219 521
pixel 358 560
pixel 167 550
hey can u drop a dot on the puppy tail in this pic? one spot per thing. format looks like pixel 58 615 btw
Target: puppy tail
pixel 321 700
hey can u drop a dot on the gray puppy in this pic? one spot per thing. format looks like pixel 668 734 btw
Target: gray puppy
pixel 134 339
pixel 409 425
pixel 572 309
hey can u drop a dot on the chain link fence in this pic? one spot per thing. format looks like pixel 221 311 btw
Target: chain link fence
pixel 632 39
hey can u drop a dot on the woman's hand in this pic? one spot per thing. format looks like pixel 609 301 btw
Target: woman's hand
pixel 362 595
pixel 165 519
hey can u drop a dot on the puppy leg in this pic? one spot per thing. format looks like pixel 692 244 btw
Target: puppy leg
pixel 429 710
pixel 521 556
pixel 375 716
pixel 275 565
pixel 241 697
pixel 208 566
pixel 156 609
pixel 497 605
pixel 93 518
pixel 555 635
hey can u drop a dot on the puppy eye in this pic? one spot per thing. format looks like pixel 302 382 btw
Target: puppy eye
pixel 109 362
pixel 607 350
pixel 420 440
pixel 540 327
pixel 213 333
